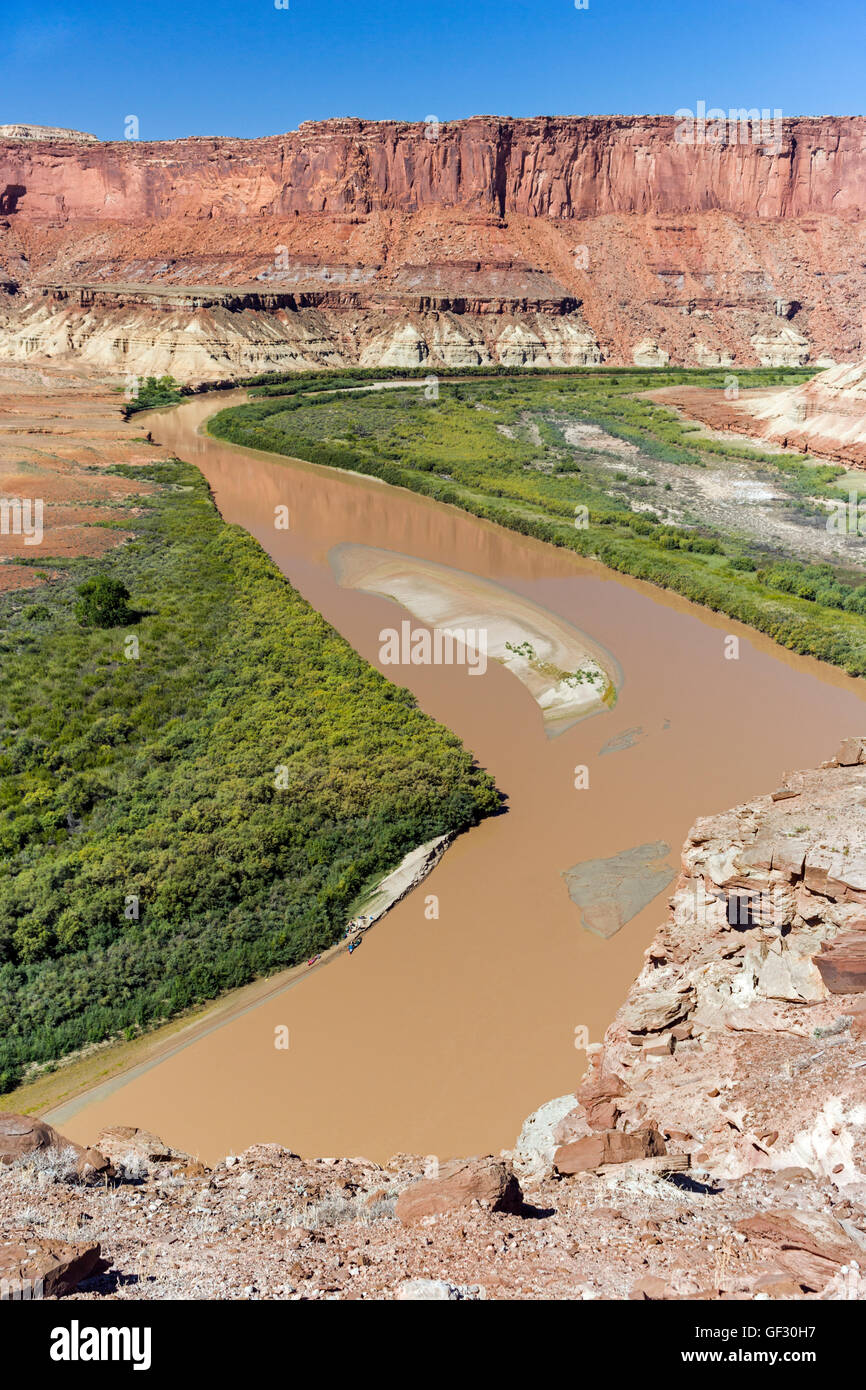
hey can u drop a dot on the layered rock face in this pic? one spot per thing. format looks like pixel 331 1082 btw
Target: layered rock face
pixel 557 167
pixel 540 242
pixel 825 416
pixel 45 132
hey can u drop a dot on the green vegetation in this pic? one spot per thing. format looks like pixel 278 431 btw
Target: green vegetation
pixel 289 383
pixel 103 601
pixel 183 812
pixel 153 392
pixel 501 445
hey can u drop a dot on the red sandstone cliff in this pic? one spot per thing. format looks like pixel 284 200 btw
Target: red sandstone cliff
pixel 560 167
pixel 459 249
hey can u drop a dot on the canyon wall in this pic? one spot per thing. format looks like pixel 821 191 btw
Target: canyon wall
pixel 563 167
pixel 554 241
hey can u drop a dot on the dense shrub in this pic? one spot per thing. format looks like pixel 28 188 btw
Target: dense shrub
pixel 153 392
pixel 103 601
pixel 174 825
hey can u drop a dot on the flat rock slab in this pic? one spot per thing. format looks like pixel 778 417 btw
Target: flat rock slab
pixel 31 1268
pixel 810 1246
pixel 608 1147
pixel 118 1142
pixel 610 892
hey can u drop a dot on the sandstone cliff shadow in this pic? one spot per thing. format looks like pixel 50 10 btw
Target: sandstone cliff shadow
pixel 10 198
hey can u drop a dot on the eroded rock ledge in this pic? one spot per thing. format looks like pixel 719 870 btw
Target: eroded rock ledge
pixel 742 1035
pixel 715 1148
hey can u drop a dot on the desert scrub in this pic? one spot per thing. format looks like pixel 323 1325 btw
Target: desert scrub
pixel 178 819
pixel 103 601
pixel 50 1165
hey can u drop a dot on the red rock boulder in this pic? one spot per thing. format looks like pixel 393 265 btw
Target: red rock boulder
pixel 21 1135
pixel 93 1166
pixel 842 962
pixel 851 751
pixel 460 1183
pixel 598 1096
pixel 809 1246
pixel 35 1268
pixel 609 1146
pixel 122 1141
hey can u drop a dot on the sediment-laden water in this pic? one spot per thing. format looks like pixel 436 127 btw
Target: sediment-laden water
pixel 443 1032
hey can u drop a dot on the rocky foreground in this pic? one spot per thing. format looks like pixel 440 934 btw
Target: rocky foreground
pixel 715 1149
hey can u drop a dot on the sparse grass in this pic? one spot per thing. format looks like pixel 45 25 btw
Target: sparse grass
pixel 50 1165
pixel 334 1210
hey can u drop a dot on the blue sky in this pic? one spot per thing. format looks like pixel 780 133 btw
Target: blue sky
pixel 202 67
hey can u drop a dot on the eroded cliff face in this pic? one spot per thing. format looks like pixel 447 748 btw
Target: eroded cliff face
pixel 628 241
pixel 826 415
pixel 558 167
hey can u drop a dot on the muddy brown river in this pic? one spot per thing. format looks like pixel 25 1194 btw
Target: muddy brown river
pixel 440 1036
